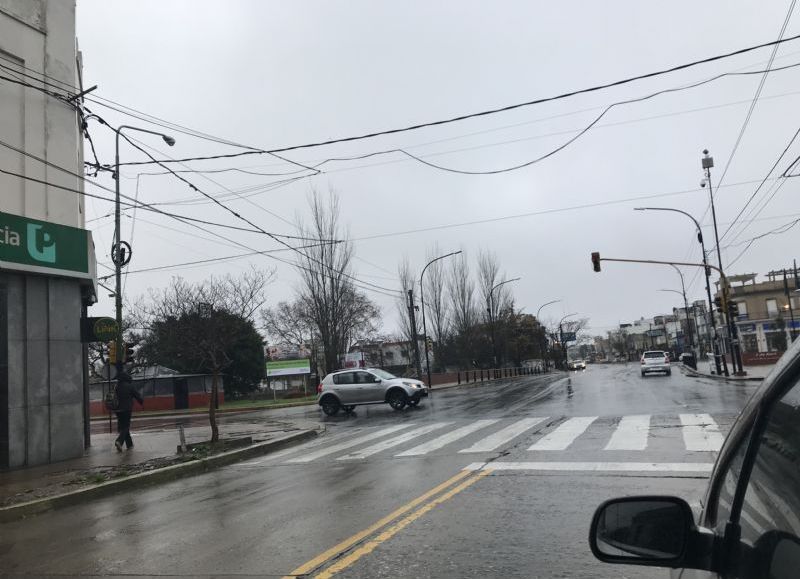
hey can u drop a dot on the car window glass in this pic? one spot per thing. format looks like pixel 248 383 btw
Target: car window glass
pixel 728 487
pixel 364 378
pixel 772 499
pixel 343 378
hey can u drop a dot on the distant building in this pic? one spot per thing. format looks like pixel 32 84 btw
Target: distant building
pixel 162 389
pixel 766 309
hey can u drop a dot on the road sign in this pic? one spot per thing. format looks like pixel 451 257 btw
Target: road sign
pixel 288 367
pixel 98 329
pixel 42 247
pixel 569 337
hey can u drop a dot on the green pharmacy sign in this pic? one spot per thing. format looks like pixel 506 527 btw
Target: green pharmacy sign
pixel 43 247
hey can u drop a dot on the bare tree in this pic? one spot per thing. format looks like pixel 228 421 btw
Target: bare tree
pixel 489 276
pixel 339 312
pixel 436 305
pixel 461 293
pixel 202 325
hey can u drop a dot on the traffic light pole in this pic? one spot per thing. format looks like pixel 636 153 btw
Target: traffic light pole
pixel 596 259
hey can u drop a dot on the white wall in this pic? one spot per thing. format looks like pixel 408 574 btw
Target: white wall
pixel 39 35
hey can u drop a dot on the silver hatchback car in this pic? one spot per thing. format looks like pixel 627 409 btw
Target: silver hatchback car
pixel 346 389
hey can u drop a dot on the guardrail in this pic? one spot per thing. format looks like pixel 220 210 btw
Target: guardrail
pixel 485 375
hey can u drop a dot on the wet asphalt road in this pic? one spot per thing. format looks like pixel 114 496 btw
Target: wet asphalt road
pixel 385 494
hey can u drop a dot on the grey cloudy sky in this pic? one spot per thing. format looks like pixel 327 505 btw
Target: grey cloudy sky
pixel 272 74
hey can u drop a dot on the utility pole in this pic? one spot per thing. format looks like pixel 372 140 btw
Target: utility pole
pixel 545 360
pixel 422 303
pixel 121 250
pixel 736 356
pixel 491 315
pixel 413 319
pixel 792 333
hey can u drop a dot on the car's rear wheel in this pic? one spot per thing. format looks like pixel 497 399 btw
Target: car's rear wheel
pixel 397 399
pixel 330 406
pixel 669 372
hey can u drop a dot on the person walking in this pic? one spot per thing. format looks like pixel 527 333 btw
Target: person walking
pixel 125 396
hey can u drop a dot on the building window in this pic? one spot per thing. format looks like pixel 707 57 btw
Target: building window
pixel 795 303
pixel 772 308
pixel 776 341
pixel 742 310
pixel 750 342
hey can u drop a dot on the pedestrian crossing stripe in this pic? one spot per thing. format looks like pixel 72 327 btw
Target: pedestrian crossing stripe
pixel 632 433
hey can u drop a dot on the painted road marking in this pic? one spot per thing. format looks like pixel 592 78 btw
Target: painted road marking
pixel 396 441
pixel 631 433
pixel 701 433
pixel 694 467
pixel 319 441
pixel 501 437
pixel 370 546
pixel 349 443
pixel 446 439
pixel 334 551
pixel 565 434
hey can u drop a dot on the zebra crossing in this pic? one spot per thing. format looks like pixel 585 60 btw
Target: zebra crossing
pixel 540 437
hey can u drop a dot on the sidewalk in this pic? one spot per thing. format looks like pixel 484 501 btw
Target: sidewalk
pixel 155 451
pixel 754 373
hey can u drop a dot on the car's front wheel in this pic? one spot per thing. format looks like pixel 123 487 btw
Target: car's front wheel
pixel 413 402
pixel 397 399
pixel 349 408
pixel 330 406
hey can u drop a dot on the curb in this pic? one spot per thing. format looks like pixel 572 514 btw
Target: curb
pixel 24 510
pixel 697 374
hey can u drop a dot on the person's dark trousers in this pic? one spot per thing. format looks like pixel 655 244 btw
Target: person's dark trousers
pixel 124 428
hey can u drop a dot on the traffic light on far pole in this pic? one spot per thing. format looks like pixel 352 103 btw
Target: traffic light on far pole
pixel 596 260
pixel 733 309
pixel 718 304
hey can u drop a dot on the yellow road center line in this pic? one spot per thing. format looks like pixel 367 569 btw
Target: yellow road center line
pixel 309 566
pixel 367 548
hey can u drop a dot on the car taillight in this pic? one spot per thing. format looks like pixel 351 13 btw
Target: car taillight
pixel 319 388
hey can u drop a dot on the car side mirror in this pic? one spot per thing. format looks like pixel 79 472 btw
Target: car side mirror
pixel 377 380
pixel 649 530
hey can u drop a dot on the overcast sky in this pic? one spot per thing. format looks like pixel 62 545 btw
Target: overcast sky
pixel 275 74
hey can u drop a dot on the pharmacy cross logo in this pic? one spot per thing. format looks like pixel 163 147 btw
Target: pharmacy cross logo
pixel 41 245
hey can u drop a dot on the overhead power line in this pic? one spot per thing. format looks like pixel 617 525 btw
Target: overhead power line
pixel 497 110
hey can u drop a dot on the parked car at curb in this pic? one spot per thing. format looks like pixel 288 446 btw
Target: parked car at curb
pixel 346 389
pixel 749 525
pixel 655 361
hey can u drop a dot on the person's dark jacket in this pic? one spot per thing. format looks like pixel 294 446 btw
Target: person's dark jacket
pixel 125 394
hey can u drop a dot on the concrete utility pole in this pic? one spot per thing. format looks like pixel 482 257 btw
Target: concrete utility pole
pixel 561 336
pixel 412 317
pixel 121 250
pixel 736 356
pixel 789 306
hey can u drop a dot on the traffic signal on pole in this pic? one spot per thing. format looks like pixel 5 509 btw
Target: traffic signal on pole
pixel 596 260
pixel 429 344
pixel 718 304
pixel 733 309
pixel 112 352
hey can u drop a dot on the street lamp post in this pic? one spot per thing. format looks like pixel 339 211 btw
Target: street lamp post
pixel 715 344
pixel 685 306
pixel 422 302
pixel 491 314
pixel 561 335
pixel 544 340
pixel 121 250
